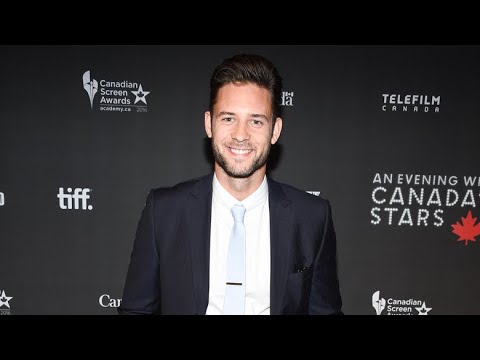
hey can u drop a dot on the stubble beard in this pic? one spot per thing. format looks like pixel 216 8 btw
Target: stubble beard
pixel 256 164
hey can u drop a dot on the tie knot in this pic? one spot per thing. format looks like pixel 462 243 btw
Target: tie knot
pixel 238 212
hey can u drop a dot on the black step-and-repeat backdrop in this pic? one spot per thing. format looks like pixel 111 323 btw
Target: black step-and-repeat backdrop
pixel 389 134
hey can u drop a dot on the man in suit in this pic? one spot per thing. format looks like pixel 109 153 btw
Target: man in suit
pixel 190 256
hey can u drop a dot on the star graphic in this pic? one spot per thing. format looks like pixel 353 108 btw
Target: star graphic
pixel 140 95
pixel 423 310
pixel 4 299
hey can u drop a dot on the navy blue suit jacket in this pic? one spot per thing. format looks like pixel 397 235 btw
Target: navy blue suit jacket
pixel 169 265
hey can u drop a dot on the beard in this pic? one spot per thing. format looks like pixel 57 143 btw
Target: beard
pixel 259 161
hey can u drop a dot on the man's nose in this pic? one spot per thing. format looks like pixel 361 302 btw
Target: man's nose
pixel 240 131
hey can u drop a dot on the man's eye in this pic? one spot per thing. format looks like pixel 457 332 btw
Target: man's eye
pixel 257 123
pixel 229 119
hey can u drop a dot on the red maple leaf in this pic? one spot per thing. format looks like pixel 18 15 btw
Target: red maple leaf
pixel 468 230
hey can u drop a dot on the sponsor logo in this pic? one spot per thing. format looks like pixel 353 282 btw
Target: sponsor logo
pixel 73 198
pixel 140 95
pixel 316 193
pixel 90 85
pixel 117 96
pixel 415 200
pixel 398 306
pixel 2 199
pixel 5 303
pixel 106 301
pixel 468 229
pixel 411 103
pixel 287 98
pixel 378 303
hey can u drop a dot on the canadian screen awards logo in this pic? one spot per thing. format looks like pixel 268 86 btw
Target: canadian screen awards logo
pixel 116 96
pixel 398 306
pixel 411 103
pixel 74 199
pixel 5 303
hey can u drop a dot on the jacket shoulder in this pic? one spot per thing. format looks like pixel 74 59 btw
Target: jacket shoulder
pixel 296 195
pixel 179 190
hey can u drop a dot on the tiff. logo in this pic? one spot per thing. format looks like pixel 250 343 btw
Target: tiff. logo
pixel 2 199
pixel 73 200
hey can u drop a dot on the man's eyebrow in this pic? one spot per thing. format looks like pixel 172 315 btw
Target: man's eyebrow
pixel 259 116
pixel 223 113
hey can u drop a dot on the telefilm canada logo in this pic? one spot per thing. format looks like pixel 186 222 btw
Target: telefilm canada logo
pixel 5 303
pixel 424 200
pixel 115 95
pixel 391 306
pixel 410 103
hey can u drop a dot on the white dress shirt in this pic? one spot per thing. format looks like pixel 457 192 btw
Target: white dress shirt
pixel 257 228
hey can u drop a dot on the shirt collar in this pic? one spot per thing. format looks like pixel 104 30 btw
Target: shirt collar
pixel 224 198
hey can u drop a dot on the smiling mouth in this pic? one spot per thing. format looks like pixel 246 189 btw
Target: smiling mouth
pixel 240 151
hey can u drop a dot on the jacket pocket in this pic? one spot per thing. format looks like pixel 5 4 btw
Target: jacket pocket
pixel 299 285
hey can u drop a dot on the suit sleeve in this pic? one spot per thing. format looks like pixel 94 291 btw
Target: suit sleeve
pixel 325 294
pixel 141 293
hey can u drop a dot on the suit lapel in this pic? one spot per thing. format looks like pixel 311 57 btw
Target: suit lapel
pixel 281 237
pixel 199 211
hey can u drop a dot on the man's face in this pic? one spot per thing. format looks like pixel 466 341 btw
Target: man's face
pixel 241 129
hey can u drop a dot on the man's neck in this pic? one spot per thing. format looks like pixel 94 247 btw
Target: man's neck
pixel 240 188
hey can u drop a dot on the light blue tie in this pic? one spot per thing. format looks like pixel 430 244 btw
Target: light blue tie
pixel 235 286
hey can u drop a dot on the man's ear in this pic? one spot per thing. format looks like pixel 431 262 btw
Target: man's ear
pixel 208 124
pixel 277 130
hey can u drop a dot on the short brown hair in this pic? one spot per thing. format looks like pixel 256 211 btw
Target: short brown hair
pixel 248 68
